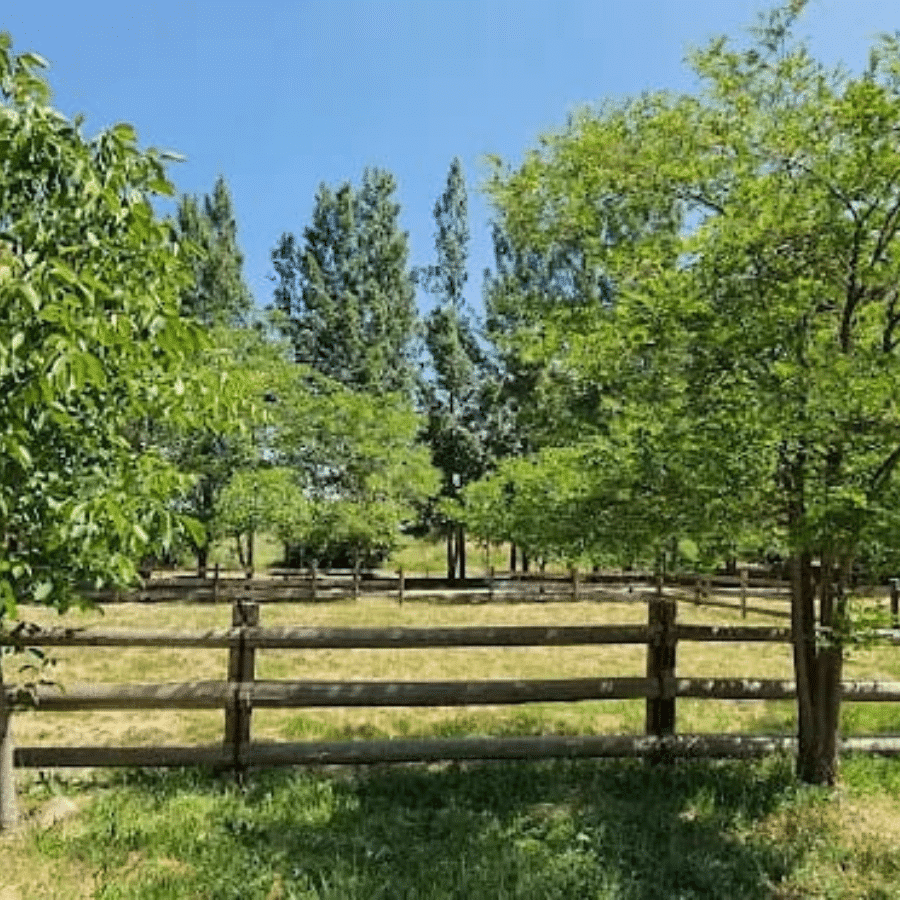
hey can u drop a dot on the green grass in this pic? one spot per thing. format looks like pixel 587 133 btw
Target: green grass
pixel 428 556
pixel 587 829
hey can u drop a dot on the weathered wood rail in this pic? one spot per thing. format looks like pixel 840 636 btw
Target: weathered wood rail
pixel 241 692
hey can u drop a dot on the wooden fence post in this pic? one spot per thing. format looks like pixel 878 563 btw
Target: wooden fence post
pixel 216 584
pixel 660 718
pixel 574 573
pixel 9 808
pixel 491 575
pixel 401 586
pixel 745 579
pixel 241 672
pixel 312 582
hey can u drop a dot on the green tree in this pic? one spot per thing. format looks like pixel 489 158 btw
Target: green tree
pixel 455 393
pixel 91 345
pixel 241 367
pixel 751 352
pixel 362 469
pixel 211 450
pixel 263 498
pixel 218 294
pixel 345 295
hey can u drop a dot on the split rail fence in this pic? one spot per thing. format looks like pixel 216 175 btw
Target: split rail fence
pixel 240 693
pixel 744 591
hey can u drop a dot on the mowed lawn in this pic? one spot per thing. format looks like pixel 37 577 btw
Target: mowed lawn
pixel 610 830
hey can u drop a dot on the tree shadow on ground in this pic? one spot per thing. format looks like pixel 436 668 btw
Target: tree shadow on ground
pixel 581 829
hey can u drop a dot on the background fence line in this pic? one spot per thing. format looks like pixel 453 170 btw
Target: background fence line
pixel 291 585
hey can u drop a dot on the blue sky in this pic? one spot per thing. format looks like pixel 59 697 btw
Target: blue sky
pixel 280 95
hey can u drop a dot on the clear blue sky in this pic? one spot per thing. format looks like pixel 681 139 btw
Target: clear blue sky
pixel 280 95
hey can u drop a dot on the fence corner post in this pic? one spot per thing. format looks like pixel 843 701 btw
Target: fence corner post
pixel 9 807
pixel 401 586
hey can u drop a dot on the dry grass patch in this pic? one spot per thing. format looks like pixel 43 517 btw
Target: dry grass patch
pixel 28 877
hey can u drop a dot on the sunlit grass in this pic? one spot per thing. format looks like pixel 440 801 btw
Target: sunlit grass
pixel 606 830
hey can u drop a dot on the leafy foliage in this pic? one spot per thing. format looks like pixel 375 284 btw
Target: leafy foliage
pixel 746 348
pixel 363 471
pixel 90 345
pixel 345 294
pixel 218 294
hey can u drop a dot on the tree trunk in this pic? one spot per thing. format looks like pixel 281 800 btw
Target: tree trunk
pixel 202 560
pixel 240 550
pixel 451 553
pixel 461 549
pixel 818 666
pixel 512 557
pixel 250 542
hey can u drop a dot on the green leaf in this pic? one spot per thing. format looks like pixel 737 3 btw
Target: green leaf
pixel 34 59
pixel 42 591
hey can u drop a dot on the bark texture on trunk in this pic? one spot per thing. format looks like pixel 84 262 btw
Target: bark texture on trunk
pixel 818 666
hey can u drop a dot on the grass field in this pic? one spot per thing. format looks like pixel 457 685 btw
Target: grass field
pixel 531 830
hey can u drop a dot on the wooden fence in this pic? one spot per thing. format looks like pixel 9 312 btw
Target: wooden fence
pixel 241 692
pixel 744 591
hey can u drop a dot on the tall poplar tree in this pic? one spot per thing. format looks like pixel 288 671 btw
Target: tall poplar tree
pixel 453 392
pixel 345 293
pixel 218 294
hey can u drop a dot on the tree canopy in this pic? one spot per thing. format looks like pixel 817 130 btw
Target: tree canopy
pixel 345 293
pixel 745 344
pixel 217 294
pixel 91 344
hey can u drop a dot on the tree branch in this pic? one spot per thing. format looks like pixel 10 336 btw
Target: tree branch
pixel 884 471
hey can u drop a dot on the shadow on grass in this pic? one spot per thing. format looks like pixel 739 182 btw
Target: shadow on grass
pixel 584 829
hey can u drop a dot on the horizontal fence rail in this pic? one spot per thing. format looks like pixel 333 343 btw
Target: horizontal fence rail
pixel 322 694
pixel 240 692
